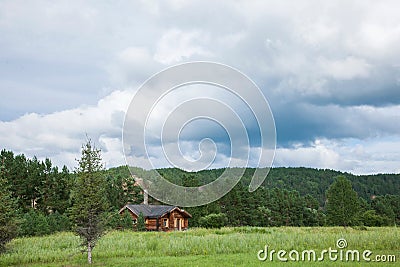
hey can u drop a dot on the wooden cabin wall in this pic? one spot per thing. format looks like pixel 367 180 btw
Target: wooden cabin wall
pixel 151 223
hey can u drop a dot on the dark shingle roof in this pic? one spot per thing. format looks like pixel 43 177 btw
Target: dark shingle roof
pixel 152 211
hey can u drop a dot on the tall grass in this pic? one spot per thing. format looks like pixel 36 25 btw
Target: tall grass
pixel 126 246
pixel 53 248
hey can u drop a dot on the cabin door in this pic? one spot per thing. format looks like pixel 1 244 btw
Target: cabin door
pixel 178 222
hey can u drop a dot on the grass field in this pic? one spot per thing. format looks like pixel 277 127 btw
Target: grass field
pixel 202 247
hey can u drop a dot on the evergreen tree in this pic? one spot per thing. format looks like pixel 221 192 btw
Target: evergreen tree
pixel 382 206
pixel 54 189
pixel 18 177
pixel 311 211
pixel 89 198
pixel 264 215
pixel 394 202
pixel 126 221
pixel 342 202
pixel 8 221
pixel 34 182
pixel 61 197
pixel 34 223
pixel 141 224
pixel 58 222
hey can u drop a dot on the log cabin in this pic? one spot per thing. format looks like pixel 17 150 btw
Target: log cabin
pixel 159 217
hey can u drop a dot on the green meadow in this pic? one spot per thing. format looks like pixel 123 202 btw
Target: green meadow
pixel 230 246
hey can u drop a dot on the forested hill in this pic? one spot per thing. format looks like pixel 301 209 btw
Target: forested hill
pixel 310 181
pixel 295 197
pixel 42 192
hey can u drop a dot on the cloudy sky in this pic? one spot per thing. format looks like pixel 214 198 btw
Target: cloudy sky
pixel 330 71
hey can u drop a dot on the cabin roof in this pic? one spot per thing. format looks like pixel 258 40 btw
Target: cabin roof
pixel 153 211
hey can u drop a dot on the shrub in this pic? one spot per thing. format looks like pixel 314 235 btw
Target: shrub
pixel 58 222
pixel 34 223
pixel 371 218
pixel 213 220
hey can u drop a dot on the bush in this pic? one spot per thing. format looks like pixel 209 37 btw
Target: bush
pixel 213 220
pixel 34 223
pixel 58 222
pixel 371 218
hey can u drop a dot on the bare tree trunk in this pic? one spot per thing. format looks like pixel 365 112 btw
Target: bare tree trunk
pixel 89 252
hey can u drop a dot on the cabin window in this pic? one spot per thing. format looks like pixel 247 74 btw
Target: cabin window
pixel 134 221
pixel 165 222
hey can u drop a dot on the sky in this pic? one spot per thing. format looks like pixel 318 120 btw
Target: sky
pixel 330 71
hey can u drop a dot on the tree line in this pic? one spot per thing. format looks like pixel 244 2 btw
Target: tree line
pixel 282 207
pixel 297 197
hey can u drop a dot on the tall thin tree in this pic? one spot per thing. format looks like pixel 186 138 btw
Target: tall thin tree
pixel 89 198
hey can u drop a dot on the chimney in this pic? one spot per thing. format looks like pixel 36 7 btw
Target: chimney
pixel 145 197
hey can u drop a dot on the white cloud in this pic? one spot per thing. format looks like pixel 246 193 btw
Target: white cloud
pixel 378 35
pixel 321 154
pixel 112 152
pixel 60 135
pixel 132 66
pixel 346 69
pixel 176 45
pixel 369 156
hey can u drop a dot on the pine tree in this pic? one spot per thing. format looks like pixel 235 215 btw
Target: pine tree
pixel 141 224
pixel 8 218
pixel 89 198
pixel 342 202
pixel 126 221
